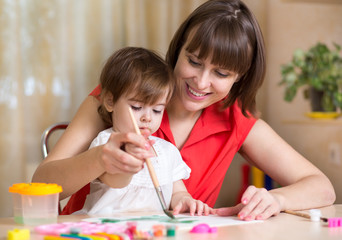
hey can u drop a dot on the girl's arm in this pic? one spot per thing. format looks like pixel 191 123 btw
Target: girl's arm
pixel 72 166
pixel 182 201
pixel 119 180
pixel 304 185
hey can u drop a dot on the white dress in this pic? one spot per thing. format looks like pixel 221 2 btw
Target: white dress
pixel 140 194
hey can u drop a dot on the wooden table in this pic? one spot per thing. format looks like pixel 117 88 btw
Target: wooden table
pixel 283 226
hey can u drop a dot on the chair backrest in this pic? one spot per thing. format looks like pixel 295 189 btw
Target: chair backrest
pixel 45 142
pixel 47 133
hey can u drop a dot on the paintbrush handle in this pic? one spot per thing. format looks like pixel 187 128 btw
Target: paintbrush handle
pixel 152 173
pixel 304 215
pixel 147 160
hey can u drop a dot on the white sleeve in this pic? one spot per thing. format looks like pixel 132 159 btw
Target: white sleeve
pixel 101 138
pixel 180 169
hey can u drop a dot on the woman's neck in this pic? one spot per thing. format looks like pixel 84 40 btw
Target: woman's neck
pixel 181 121
pixel 176 110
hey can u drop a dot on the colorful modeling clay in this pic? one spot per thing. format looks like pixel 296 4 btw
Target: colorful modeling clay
pixel 82 227
pixel 170 231
pixel 158 230
pixel 18 234
pixel 203 228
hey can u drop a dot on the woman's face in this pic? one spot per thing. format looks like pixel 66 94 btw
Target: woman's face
pixel 199 83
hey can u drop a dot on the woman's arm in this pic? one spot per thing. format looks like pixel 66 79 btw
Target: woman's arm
pixel 72 166
pixel 304 185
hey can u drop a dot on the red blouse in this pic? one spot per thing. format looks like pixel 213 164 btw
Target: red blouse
pixel 214 140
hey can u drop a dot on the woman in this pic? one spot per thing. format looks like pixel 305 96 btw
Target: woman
pixel 218 59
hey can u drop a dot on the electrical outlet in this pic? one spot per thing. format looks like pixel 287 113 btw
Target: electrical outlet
pixel 335 153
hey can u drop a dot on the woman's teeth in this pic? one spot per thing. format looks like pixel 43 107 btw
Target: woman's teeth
pixel 196 93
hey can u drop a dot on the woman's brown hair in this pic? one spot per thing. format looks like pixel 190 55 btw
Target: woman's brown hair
pixel 230 33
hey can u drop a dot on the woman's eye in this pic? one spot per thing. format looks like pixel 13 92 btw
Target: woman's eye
pixel 221 74
pixel 192 62
pixel 135 108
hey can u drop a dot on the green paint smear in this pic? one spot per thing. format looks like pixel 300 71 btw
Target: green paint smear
pixel 150 218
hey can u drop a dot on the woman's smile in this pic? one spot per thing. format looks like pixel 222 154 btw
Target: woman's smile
pixel 195 94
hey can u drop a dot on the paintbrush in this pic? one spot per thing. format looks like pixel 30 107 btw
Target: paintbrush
pixel 152 172
pixel 315 216
pixel 308 216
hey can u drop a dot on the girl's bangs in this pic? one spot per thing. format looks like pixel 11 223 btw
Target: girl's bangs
pixel 223 43
pixel 149 93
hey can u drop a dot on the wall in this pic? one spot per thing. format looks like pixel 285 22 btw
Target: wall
pixel 301 24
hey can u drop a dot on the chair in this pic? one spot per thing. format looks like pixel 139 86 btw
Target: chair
pixel 47 133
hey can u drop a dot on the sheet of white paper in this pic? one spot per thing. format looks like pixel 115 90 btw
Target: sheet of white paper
pixel 183 221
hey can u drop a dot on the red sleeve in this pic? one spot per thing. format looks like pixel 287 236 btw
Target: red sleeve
pixel 96 92
pixel 77 200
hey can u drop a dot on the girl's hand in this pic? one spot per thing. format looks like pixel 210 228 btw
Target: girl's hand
pixel 188 204
pixel 114 157
pixel 256 204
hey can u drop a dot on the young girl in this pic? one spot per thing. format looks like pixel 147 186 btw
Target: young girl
pixel 139 79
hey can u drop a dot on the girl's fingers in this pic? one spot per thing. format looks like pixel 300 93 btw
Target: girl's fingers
pixel 177 208
pixel 200 207
pixel 192 207
pixel 207 210
pixel 213 211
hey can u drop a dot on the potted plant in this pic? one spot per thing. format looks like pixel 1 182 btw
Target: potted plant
pixel 319 71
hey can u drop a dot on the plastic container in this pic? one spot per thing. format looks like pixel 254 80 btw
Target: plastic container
pixel 35 203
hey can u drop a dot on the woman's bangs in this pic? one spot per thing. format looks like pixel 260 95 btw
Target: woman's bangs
pixel 232 53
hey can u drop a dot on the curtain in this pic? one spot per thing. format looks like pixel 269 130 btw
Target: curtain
pixel 51 55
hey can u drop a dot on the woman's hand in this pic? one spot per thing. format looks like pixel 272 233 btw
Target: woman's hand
pixel 125 152
pixel 188 204
pixel 256 204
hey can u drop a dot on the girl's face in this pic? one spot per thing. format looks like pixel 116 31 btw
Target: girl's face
pixel 147 116
pixel 199 83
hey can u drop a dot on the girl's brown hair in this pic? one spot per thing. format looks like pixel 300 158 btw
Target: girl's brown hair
pixel 229 31
pixel 135 70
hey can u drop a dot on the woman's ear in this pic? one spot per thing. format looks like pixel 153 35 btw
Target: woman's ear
pixel 237 78
pixel 108 102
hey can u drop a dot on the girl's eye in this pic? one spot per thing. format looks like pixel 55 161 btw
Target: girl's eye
pixel 157 111
pixel 135 108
